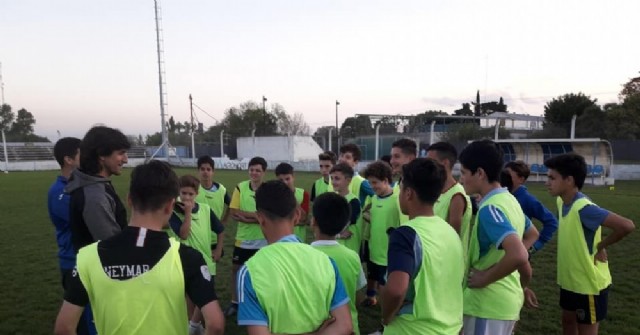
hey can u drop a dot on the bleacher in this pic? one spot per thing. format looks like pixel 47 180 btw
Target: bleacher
pixel 26 152
pixel 534 152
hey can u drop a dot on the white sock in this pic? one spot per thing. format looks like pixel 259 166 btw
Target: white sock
pixel 194 324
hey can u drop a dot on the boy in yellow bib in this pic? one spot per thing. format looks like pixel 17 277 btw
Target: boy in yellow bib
pixel 498 267
pixel 289 287
pixel 583 271
pixel 330 217
pixel 423 294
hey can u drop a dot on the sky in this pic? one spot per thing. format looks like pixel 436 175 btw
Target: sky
pixel 75 63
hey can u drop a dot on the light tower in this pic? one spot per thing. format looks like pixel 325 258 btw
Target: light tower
pixel 161 82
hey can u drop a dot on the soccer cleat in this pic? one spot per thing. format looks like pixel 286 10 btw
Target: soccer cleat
pixel 369 301
pixel 231 310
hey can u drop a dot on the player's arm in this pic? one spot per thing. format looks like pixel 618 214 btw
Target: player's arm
pixel 401 265
pixel 549 222
pixel 225 210
pixel 497 228
pixel 200 288
pixel 185 228
pixel 238 214
pixel 75 298
pixel 621 227
pixel 340 321
pixel 530 234
pixel 304 208
pixel 68 318
pixel 217 228
pixel 99 216
pixel 456 211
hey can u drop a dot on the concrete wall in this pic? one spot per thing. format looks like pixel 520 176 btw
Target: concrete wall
pixel 279 148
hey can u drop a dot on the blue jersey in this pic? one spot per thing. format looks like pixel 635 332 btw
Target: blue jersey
pixel 58 205
pixel 534 209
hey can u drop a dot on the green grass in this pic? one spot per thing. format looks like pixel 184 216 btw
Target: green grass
pixel 30 277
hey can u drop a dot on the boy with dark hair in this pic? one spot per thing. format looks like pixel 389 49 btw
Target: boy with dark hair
pixel 403 151
pixel 284 172
pixel 327 160
pixel 384 217
pixel 273 286
pixel 583 271
pixel 341 175
pixel 193 223
pixel 96 212
pixel 498 266
pixel 67 153
pixel 423 294
pixel 532 207
pixel 137 280
pixel 453 206
pixel 350 154
pixel 249 237
pixel 215 195
pixel 331 215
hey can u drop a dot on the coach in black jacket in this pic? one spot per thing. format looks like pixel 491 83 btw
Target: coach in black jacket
pixel 96 212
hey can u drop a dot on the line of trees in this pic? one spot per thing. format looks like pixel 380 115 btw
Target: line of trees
pixel 19 127
pixel 614 121
pixel 243 120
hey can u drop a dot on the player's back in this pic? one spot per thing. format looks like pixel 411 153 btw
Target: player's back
pixel 294 284
pixel 349 266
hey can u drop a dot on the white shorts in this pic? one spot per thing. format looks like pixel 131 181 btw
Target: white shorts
pixel 480 326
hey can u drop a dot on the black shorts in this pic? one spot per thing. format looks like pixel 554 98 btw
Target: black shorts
pixel 364 252
pixel 241 255
pixel 376 272
pixel 589 309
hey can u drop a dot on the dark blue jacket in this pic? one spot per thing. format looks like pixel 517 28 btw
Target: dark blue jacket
pixel 534 209
pixel 58 204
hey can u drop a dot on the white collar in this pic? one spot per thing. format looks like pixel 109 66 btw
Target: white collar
pixel 324 243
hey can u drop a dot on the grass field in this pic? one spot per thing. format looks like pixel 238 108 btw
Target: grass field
pixel 29 275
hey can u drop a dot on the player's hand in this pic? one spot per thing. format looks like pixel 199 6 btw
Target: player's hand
pixel 478 278
pixel 366 213
pixel 217 254
pixel 187 206
pixel 601 256
pixel 530 299
pixel 238 217
pixel 324 325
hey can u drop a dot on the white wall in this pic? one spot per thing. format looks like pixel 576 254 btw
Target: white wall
pixel 279 148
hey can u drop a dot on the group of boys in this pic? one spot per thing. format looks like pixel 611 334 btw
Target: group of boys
pixel 438 269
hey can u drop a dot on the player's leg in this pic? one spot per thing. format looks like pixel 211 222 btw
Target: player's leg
pixel 569 305
pixel 596 311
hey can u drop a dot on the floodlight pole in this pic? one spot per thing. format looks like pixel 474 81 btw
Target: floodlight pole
pixel 222 143
pixel 193 145
pixel 377 140
pixel 4 139
pixel 161 83
pixel 330 129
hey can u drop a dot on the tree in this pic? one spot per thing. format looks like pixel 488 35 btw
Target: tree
pixel 630 88
pixel 290 124
pixel 324 131
pixel 387 125
pixel 464 111
pixel 23 124
pixel 356 126
pixel 589 124
pixel 6 117
pixel 560 110
pixel 422 122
